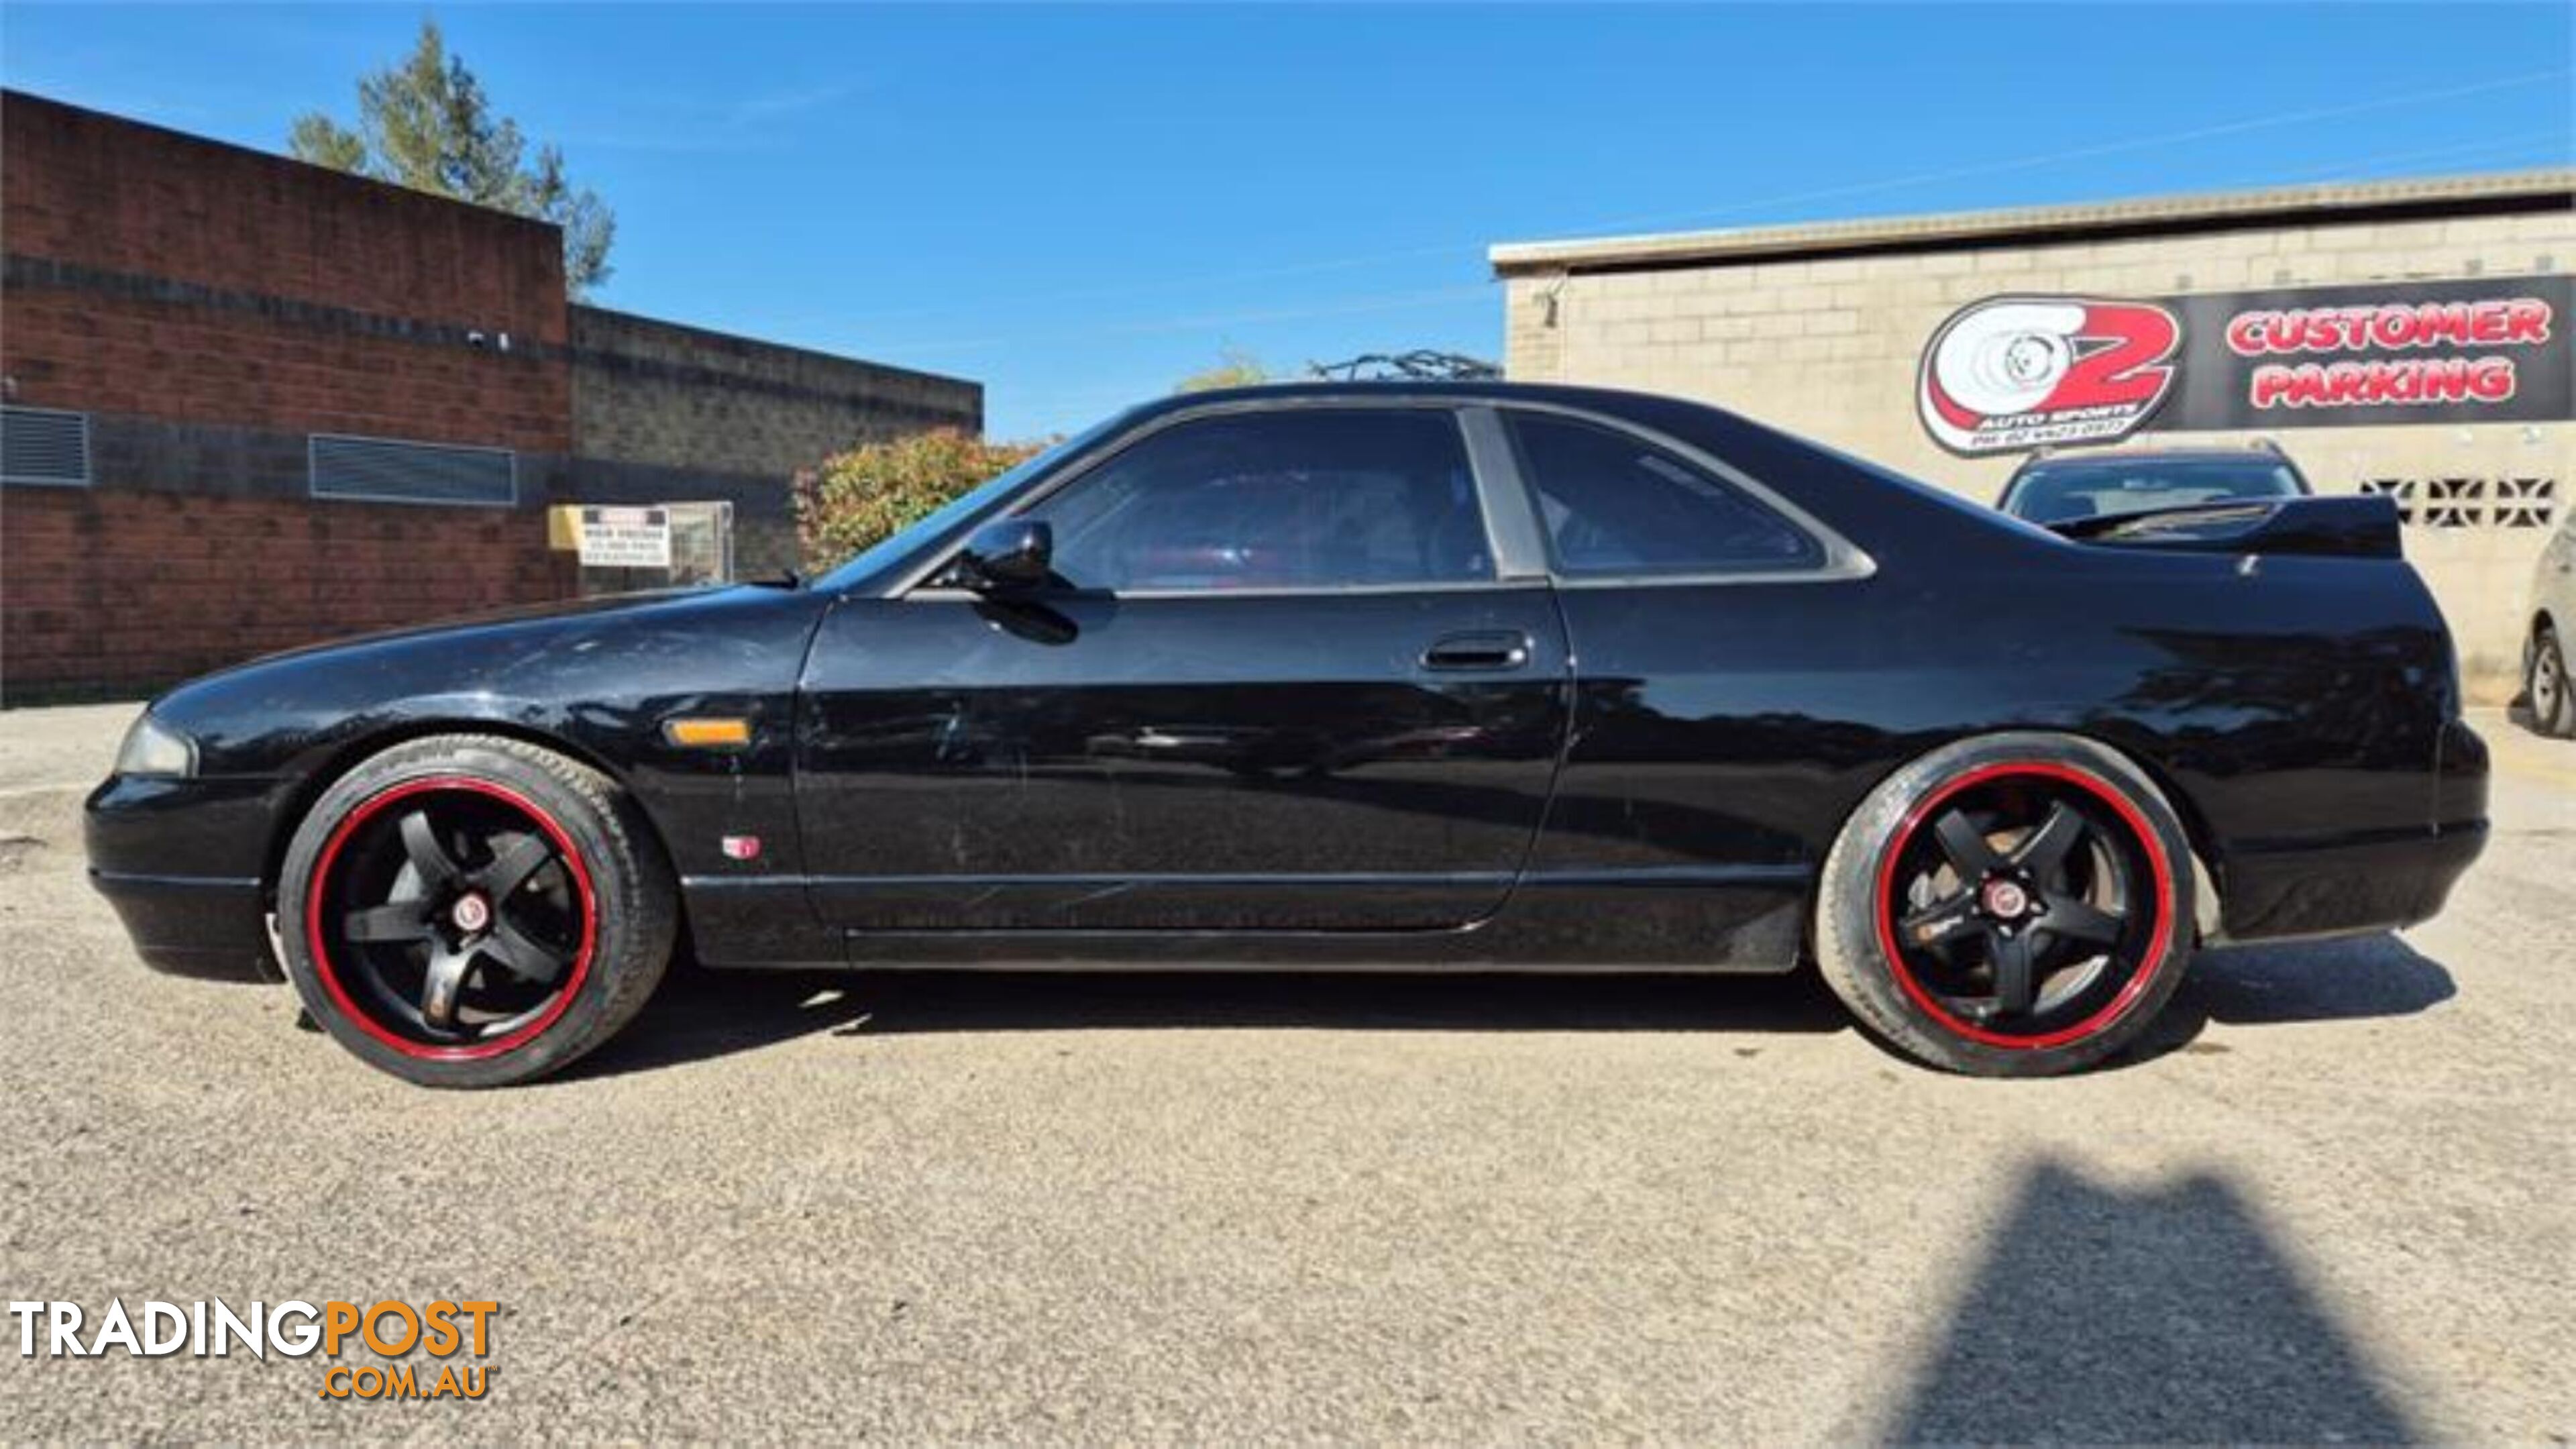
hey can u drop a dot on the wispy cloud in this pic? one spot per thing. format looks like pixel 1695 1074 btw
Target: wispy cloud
pixel 717 125
pixel 779 105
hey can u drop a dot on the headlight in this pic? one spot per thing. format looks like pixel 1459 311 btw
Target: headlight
pixel 153 748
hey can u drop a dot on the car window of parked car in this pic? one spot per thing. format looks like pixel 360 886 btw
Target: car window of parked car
pixel 1293 498
pixel 1614 505
pixel 2098 487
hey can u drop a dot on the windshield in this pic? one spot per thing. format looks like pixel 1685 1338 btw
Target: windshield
pixel 902 542
pixel 2105 487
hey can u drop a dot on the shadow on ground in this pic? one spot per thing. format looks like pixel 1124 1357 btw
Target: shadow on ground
pixel 701 1014
pixel 2348 980
pixel 2163 1316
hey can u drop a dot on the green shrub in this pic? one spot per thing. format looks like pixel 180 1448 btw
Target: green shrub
pixel 874 490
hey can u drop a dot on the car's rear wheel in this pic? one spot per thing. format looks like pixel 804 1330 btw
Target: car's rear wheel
pixel 2546 686
pixel 2013 905
pixel 471 910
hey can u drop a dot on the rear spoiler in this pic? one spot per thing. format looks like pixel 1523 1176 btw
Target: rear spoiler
pixel 2363 526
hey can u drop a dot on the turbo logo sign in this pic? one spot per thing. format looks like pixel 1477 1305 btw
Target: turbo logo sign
pixel 2014 373
pixel 2010 374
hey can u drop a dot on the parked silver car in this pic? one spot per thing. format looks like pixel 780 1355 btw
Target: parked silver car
pixel 2544 650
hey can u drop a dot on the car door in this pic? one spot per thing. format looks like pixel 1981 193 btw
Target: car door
pixel 1714 626
pixel 1279 683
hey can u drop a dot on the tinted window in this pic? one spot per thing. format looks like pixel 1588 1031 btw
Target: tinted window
pixel 1614 505
pixel 890 550
pixel 1289 499
pixel 2095 487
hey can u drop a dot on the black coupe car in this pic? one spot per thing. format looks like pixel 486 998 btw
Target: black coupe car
pixel 1468 677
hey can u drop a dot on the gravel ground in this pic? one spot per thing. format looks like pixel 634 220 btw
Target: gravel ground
pixel 2332 1202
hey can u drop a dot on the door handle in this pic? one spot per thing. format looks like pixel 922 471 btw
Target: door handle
pixel 1480 649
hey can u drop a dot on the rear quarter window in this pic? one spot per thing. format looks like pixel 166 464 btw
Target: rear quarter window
pixel 1613 505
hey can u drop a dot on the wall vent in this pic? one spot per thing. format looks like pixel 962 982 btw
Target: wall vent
pixel 2471 502
pixel 383 470
pixel 44 445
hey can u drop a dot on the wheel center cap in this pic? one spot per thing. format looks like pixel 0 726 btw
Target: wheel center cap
pixel 472 911
pixel 2004 899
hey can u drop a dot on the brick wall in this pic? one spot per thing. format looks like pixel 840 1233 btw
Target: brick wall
pixel 210 307
pixel 666 413
pixel 1829 347
pixel 128 197
pixel 116 590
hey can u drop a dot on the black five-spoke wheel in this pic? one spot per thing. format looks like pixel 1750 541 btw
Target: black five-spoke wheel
pixel 452 918
pixel 2016 904
pixel 2023 904
pixel 467 910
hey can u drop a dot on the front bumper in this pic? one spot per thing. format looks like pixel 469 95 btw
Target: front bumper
pixel 182 862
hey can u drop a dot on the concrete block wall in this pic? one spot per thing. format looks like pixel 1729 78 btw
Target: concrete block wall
pixel 1829 347
pixel 667 413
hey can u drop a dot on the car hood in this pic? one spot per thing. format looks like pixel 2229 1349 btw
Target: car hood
pixel 489 618
pixel 565 669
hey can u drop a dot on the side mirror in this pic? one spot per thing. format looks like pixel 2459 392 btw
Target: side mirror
pixel 1013 553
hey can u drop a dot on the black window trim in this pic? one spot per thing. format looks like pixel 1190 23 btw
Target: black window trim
pixel 1839 558
pixel 1502 491
pixel 917 585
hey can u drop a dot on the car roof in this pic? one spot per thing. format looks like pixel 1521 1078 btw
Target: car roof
pixel 1604 399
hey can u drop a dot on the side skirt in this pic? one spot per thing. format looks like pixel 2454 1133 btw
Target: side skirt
pixel 1733 921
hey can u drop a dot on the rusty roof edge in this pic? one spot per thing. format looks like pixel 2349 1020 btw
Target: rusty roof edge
pixel 2030 225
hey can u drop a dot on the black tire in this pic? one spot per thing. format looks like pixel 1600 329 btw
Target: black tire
pixel 387 946
pixel 2094 910
pixel 2552 695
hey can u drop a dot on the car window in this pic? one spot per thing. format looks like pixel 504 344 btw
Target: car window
pixel 1294 498
pixel 1612 504
pixel 2100 487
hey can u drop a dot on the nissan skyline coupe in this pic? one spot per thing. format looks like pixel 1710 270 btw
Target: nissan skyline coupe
pixel 1346 677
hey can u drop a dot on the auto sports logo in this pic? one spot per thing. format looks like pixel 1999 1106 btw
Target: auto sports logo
pixel 2014 373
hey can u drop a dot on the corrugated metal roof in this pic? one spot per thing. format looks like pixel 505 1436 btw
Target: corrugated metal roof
pixel 2036 225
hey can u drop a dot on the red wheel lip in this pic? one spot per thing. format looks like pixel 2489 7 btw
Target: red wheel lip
pixel 368 809
pixel 2157 860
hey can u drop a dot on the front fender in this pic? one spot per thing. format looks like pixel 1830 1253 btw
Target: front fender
pixel 595 683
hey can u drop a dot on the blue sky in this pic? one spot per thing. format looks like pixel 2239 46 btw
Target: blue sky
pixel 1080 205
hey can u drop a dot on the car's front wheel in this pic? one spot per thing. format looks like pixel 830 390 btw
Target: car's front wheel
pixel 2545 685
pixel 2013 905
pixel 472 910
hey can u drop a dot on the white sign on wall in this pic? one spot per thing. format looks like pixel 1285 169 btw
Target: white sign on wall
pixel 626 538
